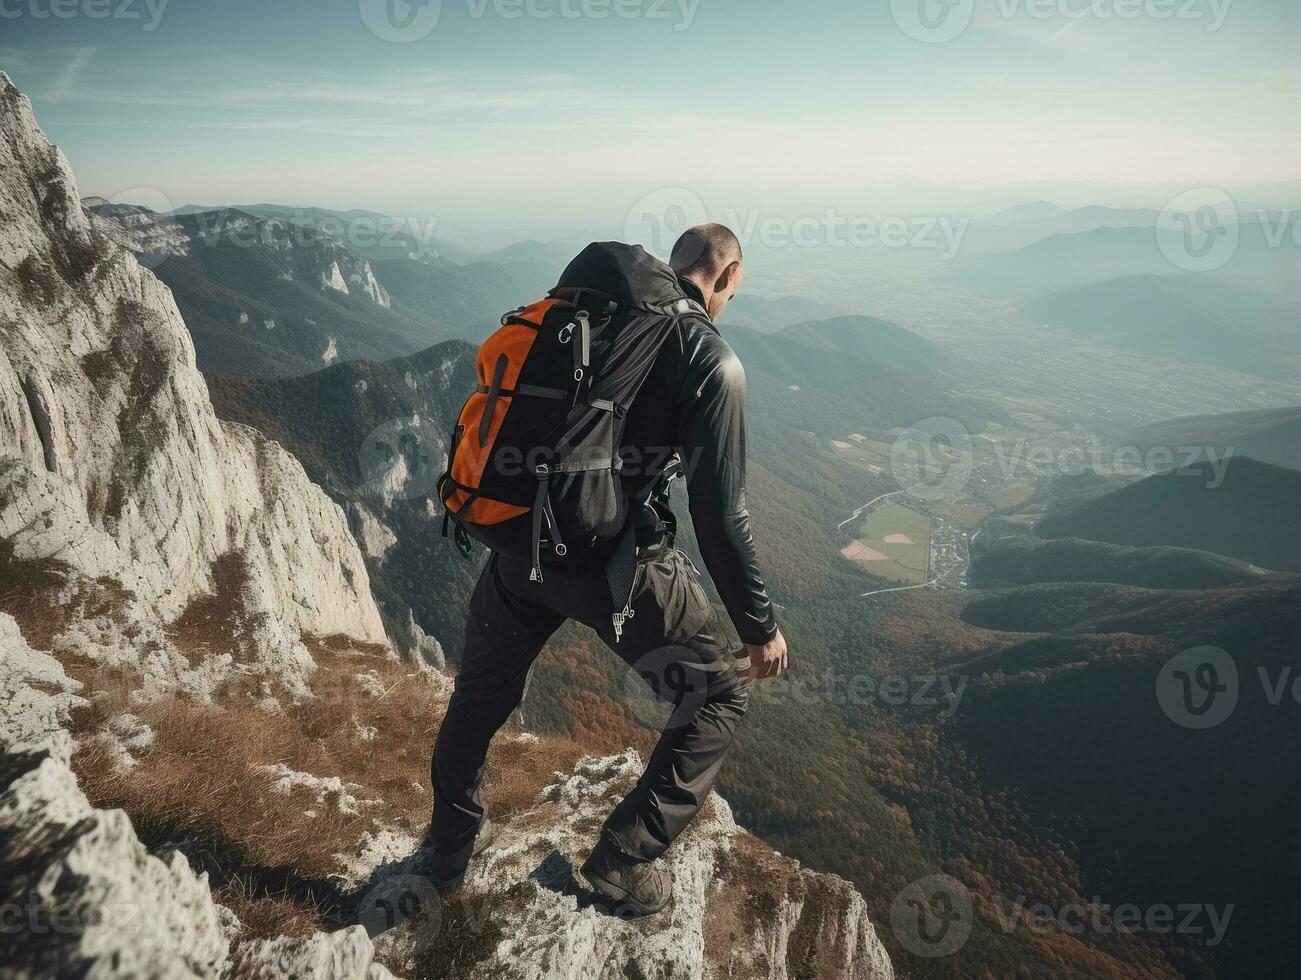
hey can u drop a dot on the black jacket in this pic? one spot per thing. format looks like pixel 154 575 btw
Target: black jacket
pixel 692 402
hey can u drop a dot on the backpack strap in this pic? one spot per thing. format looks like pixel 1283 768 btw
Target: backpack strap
pixel 531 391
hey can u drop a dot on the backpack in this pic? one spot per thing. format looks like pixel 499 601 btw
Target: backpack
pixel 534 465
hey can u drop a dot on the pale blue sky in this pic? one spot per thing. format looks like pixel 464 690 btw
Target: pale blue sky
pixel 513 121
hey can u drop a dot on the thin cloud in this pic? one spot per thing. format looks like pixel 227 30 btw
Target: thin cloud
pixel 66 84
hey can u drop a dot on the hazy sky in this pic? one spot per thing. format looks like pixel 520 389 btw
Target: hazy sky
pixel 512 114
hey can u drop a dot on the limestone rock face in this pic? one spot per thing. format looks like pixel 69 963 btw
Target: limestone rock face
pixel 739 909
pixel 112 461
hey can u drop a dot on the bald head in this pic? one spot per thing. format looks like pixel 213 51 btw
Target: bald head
pixel 710 256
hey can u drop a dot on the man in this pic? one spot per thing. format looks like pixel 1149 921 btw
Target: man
pixel 693 401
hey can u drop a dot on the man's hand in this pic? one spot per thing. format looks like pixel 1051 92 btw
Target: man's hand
pixel 766 660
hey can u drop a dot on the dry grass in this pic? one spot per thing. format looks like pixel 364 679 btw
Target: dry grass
pixel 202 787
pixel 219 621
pixel 29 592
pixel 267 916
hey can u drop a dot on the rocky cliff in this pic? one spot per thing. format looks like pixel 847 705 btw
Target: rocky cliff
pixel 114 464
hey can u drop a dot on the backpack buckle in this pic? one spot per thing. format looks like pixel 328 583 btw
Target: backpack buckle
pixel 462 539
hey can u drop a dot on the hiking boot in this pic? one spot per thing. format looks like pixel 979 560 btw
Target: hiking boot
pixel 447 870
pixel 633 888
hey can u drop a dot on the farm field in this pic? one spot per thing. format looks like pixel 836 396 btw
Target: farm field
pixel 893 543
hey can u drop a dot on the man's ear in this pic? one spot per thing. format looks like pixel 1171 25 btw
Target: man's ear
pixel 727 277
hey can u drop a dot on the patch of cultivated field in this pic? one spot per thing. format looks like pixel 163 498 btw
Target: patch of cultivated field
pixel 1012 495
pixel 893 543
pixel 870 454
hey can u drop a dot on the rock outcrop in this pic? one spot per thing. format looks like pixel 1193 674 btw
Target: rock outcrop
pixel 112 461
pixel 303 252
pixel 739 909
pixel 90 900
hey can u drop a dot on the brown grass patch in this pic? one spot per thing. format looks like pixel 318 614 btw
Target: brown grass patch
pixel 218 622
pixel 267 916
pixel 518 771
pixel 29 592
pixel 37 594
pixel 202 787
pixel 468 933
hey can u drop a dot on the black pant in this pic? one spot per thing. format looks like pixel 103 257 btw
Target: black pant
pixel 674 639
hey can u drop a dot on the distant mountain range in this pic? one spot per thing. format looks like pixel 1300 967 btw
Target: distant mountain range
pixel 770 315
pixel 268 296
pixel 1252 515
pixel 1015 229
pixel 1190 317
pixel 1067 258
pixel 1023 560
pixel 1269 435
pixel 1023 212
pixel 833 377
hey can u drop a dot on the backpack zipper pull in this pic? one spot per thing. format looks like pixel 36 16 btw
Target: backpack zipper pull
pixel 619 619
pixel 581 339
pixel 540 502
